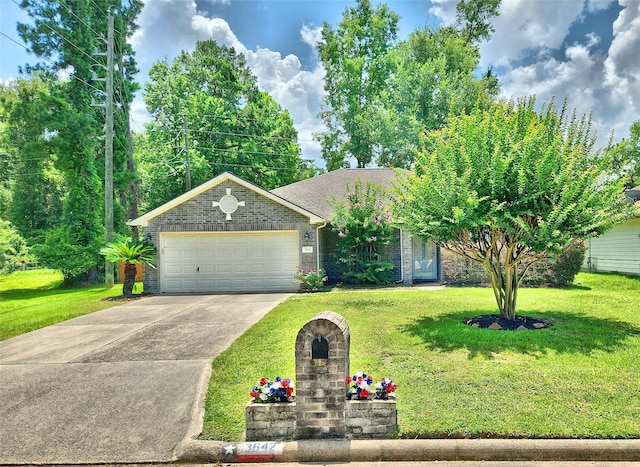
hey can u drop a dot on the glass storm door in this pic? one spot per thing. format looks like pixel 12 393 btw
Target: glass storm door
pixel 425 260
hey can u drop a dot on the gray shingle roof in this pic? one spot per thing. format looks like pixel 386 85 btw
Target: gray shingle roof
pixel 315 194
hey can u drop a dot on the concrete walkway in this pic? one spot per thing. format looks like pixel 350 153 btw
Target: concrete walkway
pixel 122 385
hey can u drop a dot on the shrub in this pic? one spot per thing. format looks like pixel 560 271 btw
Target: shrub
pixel 13 248
pixel 310 279
pixel 457 270
pixel 73 261
pixel 567 266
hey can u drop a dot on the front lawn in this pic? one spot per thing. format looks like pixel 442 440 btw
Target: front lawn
pixel 34 299
pixel 579 378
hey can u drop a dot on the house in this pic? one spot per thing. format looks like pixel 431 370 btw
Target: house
pixel 228 235
pixel 617 250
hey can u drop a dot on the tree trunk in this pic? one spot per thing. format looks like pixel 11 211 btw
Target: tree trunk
pixel 130 272
pixel 505 287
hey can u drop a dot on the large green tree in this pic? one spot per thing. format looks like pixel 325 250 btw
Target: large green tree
pixel 626 156
pixel 206 105
pixel 435 77
pixel 33 119
pixel 508 187
pixel 474 19
pixel 382 94
pixel 65 34
pixel 357 65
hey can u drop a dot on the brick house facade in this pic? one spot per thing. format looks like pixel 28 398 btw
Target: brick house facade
pixel 228 235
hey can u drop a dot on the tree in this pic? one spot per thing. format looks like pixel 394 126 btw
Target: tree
pixel 131 252
pixel 381 95
pixel 357 66
pixel 434 78
pixel 363 225
pixel 206 106
pixel 34 118
pixel 509 187
pixel 626 156
pixel 474 19
pixel 65 34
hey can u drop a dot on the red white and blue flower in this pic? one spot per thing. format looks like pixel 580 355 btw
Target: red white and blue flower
pixel 266 391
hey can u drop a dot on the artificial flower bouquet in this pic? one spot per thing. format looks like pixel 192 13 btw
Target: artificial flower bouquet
pixel 384 388
pixel 266 391
pixel 359 387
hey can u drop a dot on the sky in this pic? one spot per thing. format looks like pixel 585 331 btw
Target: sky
pixel 585 51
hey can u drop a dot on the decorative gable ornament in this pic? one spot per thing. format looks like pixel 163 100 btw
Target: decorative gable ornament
pixel 228 204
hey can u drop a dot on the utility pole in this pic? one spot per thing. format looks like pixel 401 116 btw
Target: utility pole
pixel 186 150
pixel 108 155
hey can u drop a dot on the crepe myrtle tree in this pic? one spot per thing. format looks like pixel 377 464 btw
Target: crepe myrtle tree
pixel 508 186
pixel 363 225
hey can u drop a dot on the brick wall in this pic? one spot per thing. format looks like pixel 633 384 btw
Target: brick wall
pixel 199 215
pixel 372 419
pixel 270 422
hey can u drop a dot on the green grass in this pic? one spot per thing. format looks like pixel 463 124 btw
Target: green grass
pixel 34 299
pixel 577 379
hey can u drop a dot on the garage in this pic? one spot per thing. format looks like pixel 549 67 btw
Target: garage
pixel 228 235
pixel 228 261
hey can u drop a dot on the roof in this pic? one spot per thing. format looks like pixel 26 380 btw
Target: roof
pixel 316 194
pixel 144 219
pixel 633 196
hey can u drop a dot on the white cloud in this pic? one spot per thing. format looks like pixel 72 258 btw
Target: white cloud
pixel 298 91
pixel 624 59
pixel 597 5
pixel 523 25
pixel 311 35
pixel 215 28
pixel 445 10
pixel 603 84
pixel 168 27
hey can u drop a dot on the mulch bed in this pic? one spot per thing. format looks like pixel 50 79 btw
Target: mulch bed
pixel 497 322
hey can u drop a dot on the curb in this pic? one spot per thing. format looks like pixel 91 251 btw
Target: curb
pixel 411 450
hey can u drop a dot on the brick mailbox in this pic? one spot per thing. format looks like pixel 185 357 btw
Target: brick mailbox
pixel 321 409
pixel 322 363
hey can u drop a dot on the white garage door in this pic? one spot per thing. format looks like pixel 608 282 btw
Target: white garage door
pixel 229 262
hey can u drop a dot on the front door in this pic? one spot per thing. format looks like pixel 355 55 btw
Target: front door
pixel 425 260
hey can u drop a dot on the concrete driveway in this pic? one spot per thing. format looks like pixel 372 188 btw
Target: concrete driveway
pixel 122 385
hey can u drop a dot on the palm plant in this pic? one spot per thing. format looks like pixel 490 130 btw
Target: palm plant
pixel 131 252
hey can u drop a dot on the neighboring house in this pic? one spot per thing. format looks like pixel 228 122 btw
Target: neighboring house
pixel 228 235
pixel 617 250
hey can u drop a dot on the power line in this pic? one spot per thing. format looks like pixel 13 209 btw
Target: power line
pixel 72 44
pixel 82 21
pixel 246 135
pixel 252 119
pixel 99 9
pixel 240 151
pixel 52 63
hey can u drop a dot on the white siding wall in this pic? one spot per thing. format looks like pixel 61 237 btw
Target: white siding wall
pixel 618 250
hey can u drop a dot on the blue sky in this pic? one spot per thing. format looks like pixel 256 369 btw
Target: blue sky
pixel 587 51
